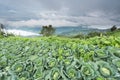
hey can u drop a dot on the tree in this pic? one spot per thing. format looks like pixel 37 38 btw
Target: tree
pixel 1 29
pixel 1 26
pixel 47 30
pixel 113 28
pixel 3 32
pixel 93 34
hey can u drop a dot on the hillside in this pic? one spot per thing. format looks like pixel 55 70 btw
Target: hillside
pixel 62 30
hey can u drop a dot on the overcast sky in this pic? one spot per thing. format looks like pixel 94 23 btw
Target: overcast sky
pixel 33 13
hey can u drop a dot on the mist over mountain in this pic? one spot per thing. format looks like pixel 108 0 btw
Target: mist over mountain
pixel 62 30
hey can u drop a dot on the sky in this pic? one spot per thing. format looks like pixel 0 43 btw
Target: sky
pixel 31 13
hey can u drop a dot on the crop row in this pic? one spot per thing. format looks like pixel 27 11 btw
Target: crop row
pixel 55 59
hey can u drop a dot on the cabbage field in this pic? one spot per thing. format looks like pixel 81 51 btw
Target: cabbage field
pixel 54 58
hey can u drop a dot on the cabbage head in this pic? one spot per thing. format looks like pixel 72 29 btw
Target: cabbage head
pixel 105 69
pixel 55 74
pixel 89 71
pixel 18 67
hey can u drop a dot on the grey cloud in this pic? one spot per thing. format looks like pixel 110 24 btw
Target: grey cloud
pixel 76 11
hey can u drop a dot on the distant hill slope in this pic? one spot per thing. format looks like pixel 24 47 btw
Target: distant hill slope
pixel 70 31
pixel 63 30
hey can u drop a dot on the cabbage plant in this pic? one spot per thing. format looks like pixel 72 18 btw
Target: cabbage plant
pixel 89 71
pixel 105 69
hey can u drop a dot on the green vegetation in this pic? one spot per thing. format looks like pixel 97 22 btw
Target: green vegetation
pixel 3 33
pixel 57 58
pixel 47 30
pixel 113 28
pixel 113 31
pixel 95 56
